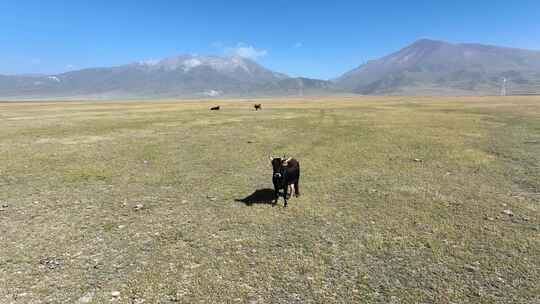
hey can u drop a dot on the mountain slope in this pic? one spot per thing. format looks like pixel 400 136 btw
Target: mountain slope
pixel 440 68
pixel 177 76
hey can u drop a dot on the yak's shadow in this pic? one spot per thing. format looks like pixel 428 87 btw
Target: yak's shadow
pixel 261 196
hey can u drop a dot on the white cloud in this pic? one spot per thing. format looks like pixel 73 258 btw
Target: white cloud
pixel 70 66
pixel 245 51
pixel 298 45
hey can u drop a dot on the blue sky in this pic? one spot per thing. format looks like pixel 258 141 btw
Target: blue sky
pixel 319 39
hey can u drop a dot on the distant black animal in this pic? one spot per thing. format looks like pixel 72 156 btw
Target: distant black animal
pixel 286 172
pixel 216 108
pixel 258 107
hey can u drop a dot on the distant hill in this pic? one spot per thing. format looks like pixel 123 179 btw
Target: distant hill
pixel 187 76
pixel 299 86
pixel 429 67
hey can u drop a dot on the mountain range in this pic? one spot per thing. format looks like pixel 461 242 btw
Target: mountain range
pixel 427 67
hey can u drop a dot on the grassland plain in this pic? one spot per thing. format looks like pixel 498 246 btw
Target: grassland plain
pixel 135 202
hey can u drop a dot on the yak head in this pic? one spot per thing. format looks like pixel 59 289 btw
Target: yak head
pixel 278 166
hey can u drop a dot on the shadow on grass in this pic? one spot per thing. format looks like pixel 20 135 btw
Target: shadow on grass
pixel 261 196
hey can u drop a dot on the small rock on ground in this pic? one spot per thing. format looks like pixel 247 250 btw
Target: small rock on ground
pixel 86 298
pixel 508 212
pixel 473 268
pixel 51 263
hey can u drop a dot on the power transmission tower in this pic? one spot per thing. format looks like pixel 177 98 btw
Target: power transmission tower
pixel 503 88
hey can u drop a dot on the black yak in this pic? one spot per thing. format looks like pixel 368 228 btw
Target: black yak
pixel 286 172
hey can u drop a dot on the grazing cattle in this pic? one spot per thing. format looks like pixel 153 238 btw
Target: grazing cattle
pixel 286 172
pixel 216 108
pixel 258 107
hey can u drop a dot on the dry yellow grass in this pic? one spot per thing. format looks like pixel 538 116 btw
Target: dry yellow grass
pixel 372 226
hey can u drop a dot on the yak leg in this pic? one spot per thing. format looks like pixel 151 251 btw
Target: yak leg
pixel 285 195
pixel 276 194
pixel 296 189
pixel 290 189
